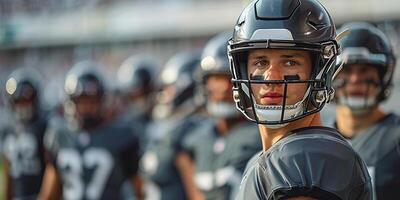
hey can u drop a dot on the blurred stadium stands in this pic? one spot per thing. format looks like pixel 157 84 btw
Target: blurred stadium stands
pixel 51 35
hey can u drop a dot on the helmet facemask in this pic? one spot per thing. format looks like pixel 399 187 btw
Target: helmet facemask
pixel 361 104
pixel 318 86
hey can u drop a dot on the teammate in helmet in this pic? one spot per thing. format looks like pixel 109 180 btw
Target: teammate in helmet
pixel 216 151
pixel 282 57
pixel 173 117
pixel 364 82
pixel 89 158
pixel 21 140
pixel 136 90
pixel 136 77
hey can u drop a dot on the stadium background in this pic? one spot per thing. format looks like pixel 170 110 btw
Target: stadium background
pixel 52 35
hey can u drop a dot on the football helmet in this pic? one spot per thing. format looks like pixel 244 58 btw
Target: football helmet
pixel 84 80
pixel 366 44
pixel 177 82
pixel 23 85
pixel 136 75
pixel 291 25
pixel 136 79
pixel 215 61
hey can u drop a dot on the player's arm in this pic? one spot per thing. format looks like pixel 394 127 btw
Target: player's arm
pixel 137 184
pixel 51 187
pixel 7 180
pixel 186 169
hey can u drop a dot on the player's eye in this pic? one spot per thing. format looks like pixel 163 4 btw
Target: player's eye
pixel 262 63
pixel 291 63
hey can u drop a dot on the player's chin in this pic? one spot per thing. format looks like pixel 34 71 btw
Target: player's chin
pixel 271 101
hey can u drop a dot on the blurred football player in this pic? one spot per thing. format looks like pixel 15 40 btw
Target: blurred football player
pixel 136 77
pixel 22 138
pixel 136 90
pixel 216 151
pixel 89 158
pixel 173 112
pixel 364 82
pixel 283 59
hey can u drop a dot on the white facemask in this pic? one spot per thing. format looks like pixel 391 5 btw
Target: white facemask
pixel 222 109
pixel 162 111
pixel 273 113
pixel 358 105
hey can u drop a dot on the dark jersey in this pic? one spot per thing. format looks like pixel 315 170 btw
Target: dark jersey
pixel 158 163
pixel 220 159
pixel 379 147
pixel 314 161
pixel 22 146
pixel 93 165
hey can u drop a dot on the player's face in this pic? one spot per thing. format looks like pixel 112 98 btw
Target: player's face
pixel 358 81
pixel 219 88
pixel 88 106
pixel 273 64
pixel 23 109
pixel 167 94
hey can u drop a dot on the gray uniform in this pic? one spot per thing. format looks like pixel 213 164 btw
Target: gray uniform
pixel 93 164
pixel 314 162
pixel 158 162
pixel 379 147
pixel 220 160
pixel 22 146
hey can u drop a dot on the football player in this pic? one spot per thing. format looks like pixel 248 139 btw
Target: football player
pixel 22 139
pixel 136 77
pixel 283 59
pixel 175 104
pixel 364 82
pixel 217 150
pixel 89 158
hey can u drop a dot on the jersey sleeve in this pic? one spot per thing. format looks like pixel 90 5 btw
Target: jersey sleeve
pixel 50 144
pixel 251 186
pixel 188 144
pixel 181 132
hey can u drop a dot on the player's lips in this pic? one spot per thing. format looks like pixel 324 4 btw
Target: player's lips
pixel 272 98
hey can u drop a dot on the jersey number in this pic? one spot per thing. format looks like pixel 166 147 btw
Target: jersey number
pixel 70 161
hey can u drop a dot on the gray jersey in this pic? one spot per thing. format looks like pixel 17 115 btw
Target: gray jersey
pixel 158 163
pixel 92 164
pixel 22 146
pixel 379 147
pixel 220 159
pixel 315 162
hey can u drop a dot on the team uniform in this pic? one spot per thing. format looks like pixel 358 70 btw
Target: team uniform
pixel 307 151
pixel 22 146
pixel 165 139
pixel 93 164
pixel 379 147
pixel 220 159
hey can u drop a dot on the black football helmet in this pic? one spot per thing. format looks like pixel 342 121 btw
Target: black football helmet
pixel 84 80
pixel 136 79
pixel 284 24
pixel 366 44
pixel 214 61
pixel 179 73
pixel 137 74
pixel 23 85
